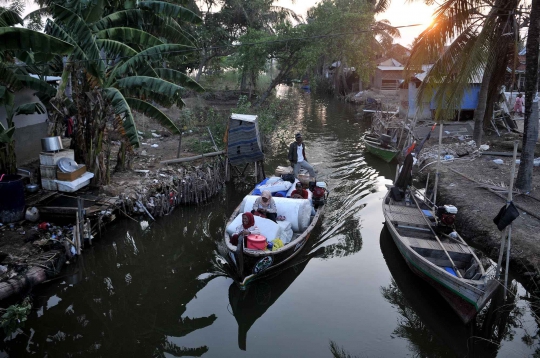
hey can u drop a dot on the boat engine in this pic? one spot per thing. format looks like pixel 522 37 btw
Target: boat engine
pixel 319 193
pixel 447 214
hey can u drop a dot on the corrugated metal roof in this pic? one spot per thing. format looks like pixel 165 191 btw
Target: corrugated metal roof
pixel 244 117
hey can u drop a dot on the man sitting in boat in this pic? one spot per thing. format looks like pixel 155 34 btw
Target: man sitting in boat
pixel 299 192
pixel 297 156
pixel 265 206
pixel 247 227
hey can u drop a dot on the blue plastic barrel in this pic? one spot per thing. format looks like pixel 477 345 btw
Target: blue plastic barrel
pixel 11 199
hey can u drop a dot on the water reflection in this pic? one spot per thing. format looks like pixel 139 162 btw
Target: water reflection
pixel 428 323
pixel 125 297
pixel 250 304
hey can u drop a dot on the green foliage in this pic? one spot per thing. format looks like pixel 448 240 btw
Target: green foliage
pixel 15 316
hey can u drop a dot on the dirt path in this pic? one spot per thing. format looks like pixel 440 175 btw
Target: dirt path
pixel 462 183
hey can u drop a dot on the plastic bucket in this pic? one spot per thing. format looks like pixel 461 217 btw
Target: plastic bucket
pixel 12 199
pixel 256 242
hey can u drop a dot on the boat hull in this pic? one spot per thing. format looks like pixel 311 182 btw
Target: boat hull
pixel 385 154
pixel 464 300
pixel 257 263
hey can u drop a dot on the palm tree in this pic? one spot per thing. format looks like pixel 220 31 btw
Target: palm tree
pixel 480 47
pixel 123 55
pixel 530 133
pixel 16 42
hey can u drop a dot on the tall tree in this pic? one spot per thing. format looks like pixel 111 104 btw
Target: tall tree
pixel 474 29
pixel 530 133
pixel 123 55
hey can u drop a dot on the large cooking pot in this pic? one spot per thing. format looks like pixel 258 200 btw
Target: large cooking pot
pixel 51 144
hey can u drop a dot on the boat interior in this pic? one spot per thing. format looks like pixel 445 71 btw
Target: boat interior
pixel 415 230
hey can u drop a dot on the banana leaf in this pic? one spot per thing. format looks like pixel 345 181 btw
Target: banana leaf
pixel 151 111
pixel 17 38
pixel 130 35
pixel 122 109
pixel 172 10
pixel 179 78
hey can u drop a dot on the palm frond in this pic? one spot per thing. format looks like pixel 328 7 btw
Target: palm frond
pixel 153 53
pixel 156 89
pixel 16 38
pixel 179 78
pixel 81 33
pixel 121 108
pixel 114 48
pixel 130 35
pixel 9 18
pixel 154 112
pixel 170 10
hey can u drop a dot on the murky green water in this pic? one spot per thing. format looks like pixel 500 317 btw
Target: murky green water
pixel 159 290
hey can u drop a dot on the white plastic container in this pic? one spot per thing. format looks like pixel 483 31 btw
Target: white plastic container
pixel 71 186
pixel 49 184
pixel 48 171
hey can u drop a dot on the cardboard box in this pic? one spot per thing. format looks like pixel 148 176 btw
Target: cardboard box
pixel 73 175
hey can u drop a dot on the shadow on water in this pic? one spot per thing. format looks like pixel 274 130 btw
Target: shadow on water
pixel 429 324
pixel 127 296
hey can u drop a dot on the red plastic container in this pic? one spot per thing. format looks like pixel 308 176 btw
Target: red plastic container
pixel 256 242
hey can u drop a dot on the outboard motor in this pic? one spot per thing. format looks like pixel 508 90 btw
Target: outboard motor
pixel 319 193
pixel 447 214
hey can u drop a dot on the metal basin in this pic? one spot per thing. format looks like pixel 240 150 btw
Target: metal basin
pixel 51 144
pixel 67 165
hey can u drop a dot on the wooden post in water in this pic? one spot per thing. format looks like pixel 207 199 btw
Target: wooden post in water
pixel 438 164
pixel 179 146
pixel 503 233
pixel 508 201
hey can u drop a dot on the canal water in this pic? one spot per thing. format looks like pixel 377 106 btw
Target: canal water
pixel 162 290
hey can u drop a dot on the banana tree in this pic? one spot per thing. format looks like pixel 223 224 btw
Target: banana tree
pixel 123 55
pixel 19 43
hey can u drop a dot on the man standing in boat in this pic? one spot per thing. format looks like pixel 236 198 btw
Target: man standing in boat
pixel 297 156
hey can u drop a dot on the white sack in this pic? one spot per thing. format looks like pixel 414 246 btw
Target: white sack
pixel 280 185
pixel 286 231
pixel 268 228
pixel 296 211
pixel 272 180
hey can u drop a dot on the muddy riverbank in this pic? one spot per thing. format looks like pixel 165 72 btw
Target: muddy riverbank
pixel 477 185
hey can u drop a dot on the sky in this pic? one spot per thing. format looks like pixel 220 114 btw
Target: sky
pixel 399 13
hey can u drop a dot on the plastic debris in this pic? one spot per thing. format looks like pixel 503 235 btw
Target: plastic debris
pixel 32 214
pixel 154 145
pixel 448 157
pixel 155 135
pixel 498 161
pixel 484 147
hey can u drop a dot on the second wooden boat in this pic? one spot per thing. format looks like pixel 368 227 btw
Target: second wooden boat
pixel 375 146
pixel 439 256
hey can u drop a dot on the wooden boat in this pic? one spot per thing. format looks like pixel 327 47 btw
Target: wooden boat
pixel 379 148
pixel 252 264
pixel 430 324
pixel 448 265
pixel 445 261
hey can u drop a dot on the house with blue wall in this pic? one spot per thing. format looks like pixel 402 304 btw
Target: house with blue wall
pixel 409 92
